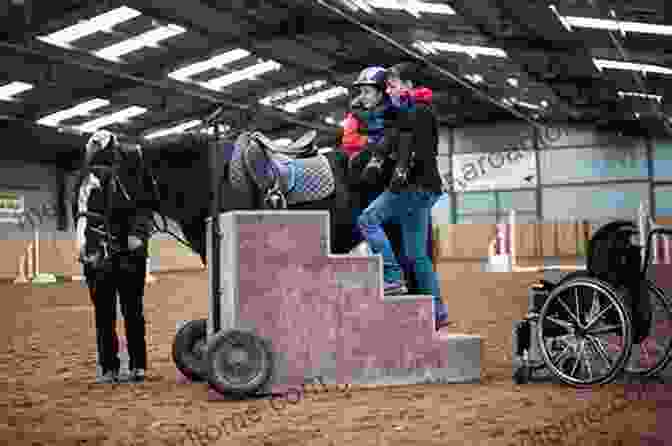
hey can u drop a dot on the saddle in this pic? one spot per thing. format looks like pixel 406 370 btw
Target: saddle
pixel 292 175
pixel 304 147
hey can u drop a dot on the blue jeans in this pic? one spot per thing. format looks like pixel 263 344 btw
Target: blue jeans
pixel 412 210
pixel 366 198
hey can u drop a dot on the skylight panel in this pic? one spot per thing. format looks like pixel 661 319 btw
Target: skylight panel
pixel 184 74
pixel 180 128
pixel 321 97
pixel 113 118
pixel 8 91
pixel 654 97
pixel 248 73
pixel 101 23
pixel 630 66
pixel 618 25
pixel 471 50
pixel 83 109
pixel 147 39
pixel 298 91
pixel 413 7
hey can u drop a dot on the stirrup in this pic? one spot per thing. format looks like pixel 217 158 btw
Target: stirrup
pixel 275 199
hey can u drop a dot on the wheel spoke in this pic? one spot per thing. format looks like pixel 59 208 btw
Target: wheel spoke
pixel 595 306
pixel 560 356
pixel 576 301
pixel 587 363
pixel 604 330
pixel 563 324
pixel 597 344
pixel 592 321
pixel 564 305
pixel 576 365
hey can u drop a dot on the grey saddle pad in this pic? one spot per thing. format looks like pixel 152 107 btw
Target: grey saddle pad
pixel 301 180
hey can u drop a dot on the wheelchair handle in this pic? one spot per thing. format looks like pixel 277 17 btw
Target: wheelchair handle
pixel 648 249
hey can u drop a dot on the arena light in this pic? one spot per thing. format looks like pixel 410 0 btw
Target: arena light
pixel 148 39
pixel 103 22
pixel 180 128
pixel 322 96
pixel 113 118
pixel 8 91
pixel 471 50
pixel 629 66
pixel 248 73
pixel 184 74
pixel 618 25
pixel 54 119
pixel 654 97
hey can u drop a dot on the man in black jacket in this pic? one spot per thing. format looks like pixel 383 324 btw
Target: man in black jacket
pixel 412 192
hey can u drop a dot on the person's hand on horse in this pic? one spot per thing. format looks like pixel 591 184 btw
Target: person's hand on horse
pixel 399 179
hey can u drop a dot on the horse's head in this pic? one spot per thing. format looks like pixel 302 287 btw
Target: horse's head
pixel 99 148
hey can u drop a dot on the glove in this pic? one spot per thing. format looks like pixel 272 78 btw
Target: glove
pixel 399 179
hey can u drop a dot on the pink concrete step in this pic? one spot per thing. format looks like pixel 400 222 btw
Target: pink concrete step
pixel 325 315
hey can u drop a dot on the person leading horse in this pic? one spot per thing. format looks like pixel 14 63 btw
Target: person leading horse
pixel 115 201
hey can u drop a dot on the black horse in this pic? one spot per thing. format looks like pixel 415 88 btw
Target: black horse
pixel 181 168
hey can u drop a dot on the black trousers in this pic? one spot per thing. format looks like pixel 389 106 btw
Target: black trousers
pixel 125 275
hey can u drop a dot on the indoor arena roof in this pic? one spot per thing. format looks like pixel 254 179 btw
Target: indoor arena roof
pixel 150 69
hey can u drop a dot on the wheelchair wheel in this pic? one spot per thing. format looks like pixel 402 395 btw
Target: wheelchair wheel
pixel 585 332
pixel 654 353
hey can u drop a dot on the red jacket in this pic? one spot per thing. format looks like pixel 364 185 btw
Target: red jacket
pixel 353 142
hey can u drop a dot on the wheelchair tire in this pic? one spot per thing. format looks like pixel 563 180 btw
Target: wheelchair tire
pixel 581 333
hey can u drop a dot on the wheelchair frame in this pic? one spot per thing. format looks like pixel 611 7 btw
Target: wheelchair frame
pixel 533 351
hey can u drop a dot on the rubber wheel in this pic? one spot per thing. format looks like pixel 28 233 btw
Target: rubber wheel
pixel 240 363
pixel 188 350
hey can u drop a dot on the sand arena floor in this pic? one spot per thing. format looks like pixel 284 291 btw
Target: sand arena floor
pixel 47 369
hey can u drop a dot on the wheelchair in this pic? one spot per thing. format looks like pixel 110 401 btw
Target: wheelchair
pixel 597 324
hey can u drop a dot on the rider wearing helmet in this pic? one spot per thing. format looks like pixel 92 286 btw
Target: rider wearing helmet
pixel 364 124
pixel 413 190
